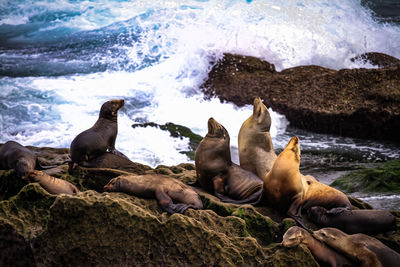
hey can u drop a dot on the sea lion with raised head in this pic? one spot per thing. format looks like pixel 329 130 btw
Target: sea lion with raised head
pixel 256 152
pixel 98 139
pixel 51 184
pixel 218 175
pixel 368 251
pixel 354 221
pixel 288 190
pixel 172 195
pixel 15 156
pixel 322 253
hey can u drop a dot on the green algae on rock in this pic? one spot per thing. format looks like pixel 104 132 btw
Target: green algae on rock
pixel 385 178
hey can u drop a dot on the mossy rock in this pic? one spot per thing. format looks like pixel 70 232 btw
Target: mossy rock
pixel 385 178
pixel 10 184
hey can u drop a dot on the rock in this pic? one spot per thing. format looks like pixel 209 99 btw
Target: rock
pixel 114 229
pixel 377 59
pixel 361 103
pixel 385 178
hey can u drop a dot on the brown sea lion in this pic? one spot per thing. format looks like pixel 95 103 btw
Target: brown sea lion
pixel 321 252
pixel 15 156
pixel 172 195
pixel 216 172
pixel 354 221
pixel 368 251
pixel 51 184
pixel 100 138
pixel 288 190
pixel 256 152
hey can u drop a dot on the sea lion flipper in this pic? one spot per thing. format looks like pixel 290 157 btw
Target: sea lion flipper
pixel 118 153
pixel 165 202
pixel 253 199
pixel 336 211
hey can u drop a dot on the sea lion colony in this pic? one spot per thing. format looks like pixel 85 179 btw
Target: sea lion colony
pixel 263 178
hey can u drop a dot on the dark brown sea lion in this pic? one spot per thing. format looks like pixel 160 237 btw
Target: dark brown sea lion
pixel 51 184
pixel 256 152
pixel 172 195
pixel 368 251
pixel 321 252
pixel 15 156
pixel 289 191
pixel 216 172
pixel 354 221
pixel 100 138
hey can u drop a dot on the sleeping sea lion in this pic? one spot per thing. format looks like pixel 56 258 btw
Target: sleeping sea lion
pixel 100 138
pixel 51 184
pixel 15 156
pixel 354 221
pixel 216 172
pixel 321 252
pixel 368 251
pixel 288 190
pixel 256 152
pixel 172 195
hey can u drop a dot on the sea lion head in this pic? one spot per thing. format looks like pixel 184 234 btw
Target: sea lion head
pixel 22 167
pixel 293 236
pixel 216 130
pixel 316 213
pixel 292 149
pixel 110 108
pixel 261 116
pixel 33 176
pixel 113 185
pixel 328 235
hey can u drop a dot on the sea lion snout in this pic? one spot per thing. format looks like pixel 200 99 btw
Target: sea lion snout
pixel 112 185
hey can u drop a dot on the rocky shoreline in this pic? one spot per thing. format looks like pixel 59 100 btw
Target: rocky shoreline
pixel 114 229
pixel 362 103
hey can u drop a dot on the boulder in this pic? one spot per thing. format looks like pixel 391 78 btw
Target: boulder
pixel 361 103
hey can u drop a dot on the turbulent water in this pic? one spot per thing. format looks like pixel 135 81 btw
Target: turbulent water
pixel 60 60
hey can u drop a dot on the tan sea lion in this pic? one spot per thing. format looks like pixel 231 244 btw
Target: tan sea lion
pixel 216 172
pixel 256 152
pixel 354 221
pixel 172 195
pixel 288 190
pixel 368 251
pixel 51 184
pixel 323 254
pixel 15 156
pixel 100 138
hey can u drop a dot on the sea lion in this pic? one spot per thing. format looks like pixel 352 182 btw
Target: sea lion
pixel 216 172
pixel 368 251
pixel 354 221
pixel 15 156
pixel 288 190
pixel 321 252
pixel 100 138
pixel 51 184
pixel 165 189
pixel 256 152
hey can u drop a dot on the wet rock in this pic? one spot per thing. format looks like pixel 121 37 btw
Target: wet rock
pixel 114 229
pixel 361 103
pixel 378 59
pixel 383 179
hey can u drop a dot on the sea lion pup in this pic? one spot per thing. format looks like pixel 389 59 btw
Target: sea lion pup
pixel 51 184
pixel 218 175
pixel 256 152
pixel 321 252
pixel 165 189
pixel 15 156
pixel 354 221
pixel 368 251
pixel 98 139
pixel 288 190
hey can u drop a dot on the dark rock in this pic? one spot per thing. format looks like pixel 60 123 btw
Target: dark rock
pixel 378 59
pixel 361 103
